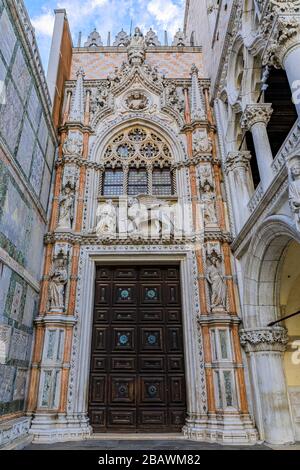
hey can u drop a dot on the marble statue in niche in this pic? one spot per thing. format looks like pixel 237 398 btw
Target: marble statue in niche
pixel 66 207
pixel 58 278
pixel 106 219
pixel 294 192
pixel 217 282
pixel 207 194
pixel 208 198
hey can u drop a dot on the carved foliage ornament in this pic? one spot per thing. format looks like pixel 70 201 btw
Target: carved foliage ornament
pixel 287 6
pixel 255 113
pixel 264 339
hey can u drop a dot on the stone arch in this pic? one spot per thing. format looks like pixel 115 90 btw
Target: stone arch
pixel 236 71
pixel 103 136
pixel 262 270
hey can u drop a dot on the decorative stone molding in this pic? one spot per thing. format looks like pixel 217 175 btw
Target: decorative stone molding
pixel 94 240
pixel 255 113
pixel 264 339
pixel 256 198
pixel 14 429
pixel 238 160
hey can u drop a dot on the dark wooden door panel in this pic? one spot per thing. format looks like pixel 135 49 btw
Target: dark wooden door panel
pixel 137 365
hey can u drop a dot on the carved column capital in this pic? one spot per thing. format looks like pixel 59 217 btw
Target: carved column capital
pixel 285 35
pixel 237 160
pixel 254 113
pixel 264 339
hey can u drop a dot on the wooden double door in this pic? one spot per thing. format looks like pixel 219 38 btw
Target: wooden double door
pixel 137 380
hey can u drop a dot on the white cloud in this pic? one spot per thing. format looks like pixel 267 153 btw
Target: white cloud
pixel 167 14
pixel 44 23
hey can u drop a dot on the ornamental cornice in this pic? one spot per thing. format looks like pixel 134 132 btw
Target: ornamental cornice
pixel 204 158
pixel 64 320
pixel 264 339
pixel 223 320
pixel 75 126
pixel 255 113
pixel 92 239
pixel 237 160
pixel 79 161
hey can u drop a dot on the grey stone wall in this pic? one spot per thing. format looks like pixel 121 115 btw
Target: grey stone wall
pixel 27 146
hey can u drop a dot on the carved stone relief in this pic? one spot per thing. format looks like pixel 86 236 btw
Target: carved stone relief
pixel 294 192
pixel 201 142
pixel 73 145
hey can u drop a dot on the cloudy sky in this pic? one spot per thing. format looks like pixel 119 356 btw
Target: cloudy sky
pixel 105 15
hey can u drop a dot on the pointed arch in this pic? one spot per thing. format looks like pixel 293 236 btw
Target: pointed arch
pixel 263 264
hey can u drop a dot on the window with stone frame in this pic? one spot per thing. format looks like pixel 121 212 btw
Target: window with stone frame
pixel 113 182
pixel 137 161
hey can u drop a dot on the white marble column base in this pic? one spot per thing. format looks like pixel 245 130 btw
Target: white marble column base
pixel 49 428
pixel 226 429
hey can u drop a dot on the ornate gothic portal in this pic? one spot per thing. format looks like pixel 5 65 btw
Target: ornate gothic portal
pixel 138 323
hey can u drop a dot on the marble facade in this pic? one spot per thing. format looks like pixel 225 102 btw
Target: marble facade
pixel 27 145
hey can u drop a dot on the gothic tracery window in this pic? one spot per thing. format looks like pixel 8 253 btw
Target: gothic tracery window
pixel 137 161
